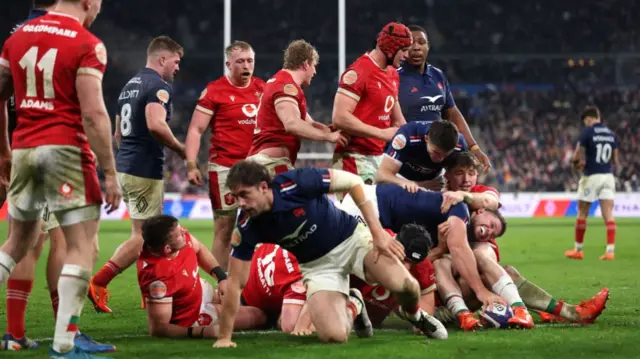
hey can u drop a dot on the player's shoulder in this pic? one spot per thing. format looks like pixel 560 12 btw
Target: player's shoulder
pixel 435 71
pixel 479 188
pixel 257 82
pixel 283 82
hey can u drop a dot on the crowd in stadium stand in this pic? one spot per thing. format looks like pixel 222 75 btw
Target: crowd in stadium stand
pixel 529 134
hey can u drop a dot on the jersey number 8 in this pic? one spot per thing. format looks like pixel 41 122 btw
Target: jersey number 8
pixel 603 152
pixel 125 120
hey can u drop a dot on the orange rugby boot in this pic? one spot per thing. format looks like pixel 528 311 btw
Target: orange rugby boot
pixel 573 254
pixel 468 322
pixel 521 318
pixel 609 256
pixel 99 297
pixel 589 310
pixel 550 318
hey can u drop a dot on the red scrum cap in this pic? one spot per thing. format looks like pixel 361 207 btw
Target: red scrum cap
pixel 393 37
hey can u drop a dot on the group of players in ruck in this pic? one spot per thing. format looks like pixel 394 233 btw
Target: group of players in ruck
pixel 407 228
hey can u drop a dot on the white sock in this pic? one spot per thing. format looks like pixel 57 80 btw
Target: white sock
pixel 72 288
pixel 456 304
pixel 611 248
pixel 6 267
pixel 505 288
pixel 578 246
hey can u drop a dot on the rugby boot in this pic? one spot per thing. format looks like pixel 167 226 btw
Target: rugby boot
pixel 361 324
pixel 573 254
pixel 521 319
pixel 550 318
pixel 75 353
pixel 427 324
pixel 468 322
pixel 88 345
pixel 609 256
pixel 10 343
pixel 99 297
pixel 589 310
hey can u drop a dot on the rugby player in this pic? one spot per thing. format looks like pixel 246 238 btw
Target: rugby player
pixel 425 93
pixel 275 287
pixel 292 210
pixel 379 301
pixel 366 104
pixel 417 153
pixel 229 106
pixel 58 124
pixel 462 174
pixel 596 153
pixel 144 108
pixel 396 207
pixel 179 302
pixel 283 120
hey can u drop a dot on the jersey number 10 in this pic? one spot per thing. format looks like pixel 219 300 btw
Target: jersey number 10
pixel 603 152
pixel 29 62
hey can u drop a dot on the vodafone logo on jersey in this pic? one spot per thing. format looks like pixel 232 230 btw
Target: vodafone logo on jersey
pixel 250 110
pixel 388 104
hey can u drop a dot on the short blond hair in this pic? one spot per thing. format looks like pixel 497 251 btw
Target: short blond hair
pixel 297 53
pixel 164 43
pixel 237 45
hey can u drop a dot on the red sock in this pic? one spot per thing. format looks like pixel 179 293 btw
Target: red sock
pixel 54 303
pixel 581 227
pixel 106 274
pixel 353 309
pixel 17 297
pixel 611 233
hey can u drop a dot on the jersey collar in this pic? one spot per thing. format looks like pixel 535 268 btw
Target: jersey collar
pixel 63 15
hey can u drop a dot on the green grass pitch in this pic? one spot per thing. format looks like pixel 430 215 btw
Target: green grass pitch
pixel 534 246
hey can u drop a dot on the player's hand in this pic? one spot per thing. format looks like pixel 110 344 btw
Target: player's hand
pixel 195 177
pixel 450 198
pixel 488 298
pixel 443 230
pixel 222 288
pixel 411 187
pixel 336 137
pixel 181 150
pixel 484 160
pixel 114 195
pixel 578 165
pixel 385 244
pixel 302 332
pixel 224 343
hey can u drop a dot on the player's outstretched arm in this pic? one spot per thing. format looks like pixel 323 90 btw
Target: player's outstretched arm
pixel 464 260
pixel 484 200
pixel 156 117
pixel 387 173
pixel 238 275
pixel 95 119
pixel 159 317
pixel 454 115
pixel 341 182
pixel 289 113
pixel 343 119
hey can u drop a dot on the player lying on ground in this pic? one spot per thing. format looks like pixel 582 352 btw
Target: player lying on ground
pixel 293 210
pixel 142 132
pixel 595 155
pixel 416 155
pixel 179 302
pixel 282 120
pixel 396 207
pixel 462 174
pixel 366 103
pixel 58 124
pixel 275 287
pixel 229 106
pixel 379 301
